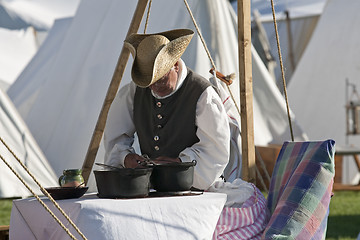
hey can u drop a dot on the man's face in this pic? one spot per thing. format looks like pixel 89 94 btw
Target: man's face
pixel 167 84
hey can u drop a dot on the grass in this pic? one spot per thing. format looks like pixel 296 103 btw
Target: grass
pixel 344 217
pixel 343 221
pixel 5 210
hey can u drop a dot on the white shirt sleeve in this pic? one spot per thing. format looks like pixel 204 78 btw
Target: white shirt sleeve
pixel 213 150
pixel 120 129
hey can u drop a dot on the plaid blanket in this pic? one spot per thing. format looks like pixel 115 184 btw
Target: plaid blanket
pixel 300 191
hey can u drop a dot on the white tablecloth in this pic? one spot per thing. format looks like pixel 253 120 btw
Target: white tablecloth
pixel 178 217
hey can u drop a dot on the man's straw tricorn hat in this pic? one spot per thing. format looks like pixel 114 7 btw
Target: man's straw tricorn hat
pixel 155 54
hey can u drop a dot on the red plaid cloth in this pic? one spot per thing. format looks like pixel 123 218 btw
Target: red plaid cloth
pixel 246 222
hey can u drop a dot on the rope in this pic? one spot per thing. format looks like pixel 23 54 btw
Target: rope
pixel 232 97
pixel 44 191
pixel 208 52
pixel 261 179
pixel 228 87
pixel 199 33
pixel 262 164
pixel 282 69
pixel 37 197
pixel 147 17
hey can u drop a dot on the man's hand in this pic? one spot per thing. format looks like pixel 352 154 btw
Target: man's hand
pixel 132 160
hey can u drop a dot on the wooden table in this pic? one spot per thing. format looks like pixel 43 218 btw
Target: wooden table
pixel 4 232
pixel 340 154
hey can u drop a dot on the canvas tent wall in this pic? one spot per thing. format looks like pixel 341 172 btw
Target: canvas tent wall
pixel 39 14
pixel 317 91
pixel 17 136
pixel 61 99
pixel 23 27
pixel 17 47
pixel 294 30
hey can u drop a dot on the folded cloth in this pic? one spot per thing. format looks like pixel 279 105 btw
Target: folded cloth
pixel 237 191
pixel 248 219
pixel 300 191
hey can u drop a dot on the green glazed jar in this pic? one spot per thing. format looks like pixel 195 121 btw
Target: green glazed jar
pixel 71 178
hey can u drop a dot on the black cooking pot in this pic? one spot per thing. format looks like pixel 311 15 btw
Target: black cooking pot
pixel 123 183
pixel 173 177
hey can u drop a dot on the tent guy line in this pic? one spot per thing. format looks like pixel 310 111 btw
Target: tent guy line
pixel 44 191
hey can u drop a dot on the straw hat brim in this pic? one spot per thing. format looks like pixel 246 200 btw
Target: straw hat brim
pixel 165 59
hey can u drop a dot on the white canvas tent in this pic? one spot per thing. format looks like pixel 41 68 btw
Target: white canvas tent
pixel 20 23
pixel 294 29
pixel 23 27
pixel 19 139
pixel 40 14
pixel 61 99
pixel 17 47
pixel 317 91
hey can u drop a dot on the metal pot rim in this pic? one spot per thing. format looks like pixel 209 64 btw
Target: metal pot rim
pixel 177 164
pixel 127 171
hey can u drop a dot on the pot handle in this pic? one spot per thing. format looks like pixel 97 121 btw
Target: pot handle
pixel 60 179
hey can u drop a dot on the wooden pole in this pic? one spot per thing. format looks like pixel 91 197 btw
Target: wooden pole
pixel 290 40
pixel 246 91
pixel 111 93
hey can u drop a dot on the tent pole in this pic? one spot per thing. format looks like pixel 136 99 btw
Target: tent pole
pixel 290 40
pixel 111 93
pixel 246 91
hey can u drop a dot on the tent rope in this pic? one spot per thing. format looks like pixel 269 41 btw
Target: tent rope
pixel 282 69
pixel 263 167
pixel 208 53
pixel 200 35
pixel 228 81
pixel 37 197
pixel 147 17
pixel 261 180
pixel 43 190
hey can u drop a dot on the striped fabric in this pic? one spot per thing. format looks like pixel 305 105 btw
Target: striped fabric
pixel 246 222
pixel 300 191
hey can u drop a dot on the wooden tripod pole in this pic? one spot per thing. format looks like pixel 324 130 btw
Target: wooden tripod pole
pixel 246 91
pixel 111 93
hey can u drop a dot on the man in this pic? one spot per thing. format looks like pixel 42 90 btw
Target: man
pixel 176 114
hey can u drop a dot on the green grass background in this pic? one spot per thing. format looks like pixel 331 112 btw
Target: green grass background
pixel 5 210
pixel 343 222
pixel 344 217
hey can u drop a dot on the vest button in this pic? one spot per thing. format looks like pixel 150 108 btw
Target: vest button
pixel 157 148
pixel 159 126
pixel 159 116
pixel 156 138
pixel 158 104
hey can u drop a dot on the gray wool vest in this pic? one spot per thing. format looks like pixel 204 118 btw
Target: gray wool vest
pixel 165 127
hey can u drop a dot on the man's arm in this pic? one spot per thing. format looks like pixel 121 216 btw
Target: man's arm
pixel 213 150
pixel 120 129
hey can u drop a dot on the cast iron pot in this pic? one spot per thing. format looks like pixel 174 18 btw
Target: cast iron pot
pixel 173 177
pixel 123 183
